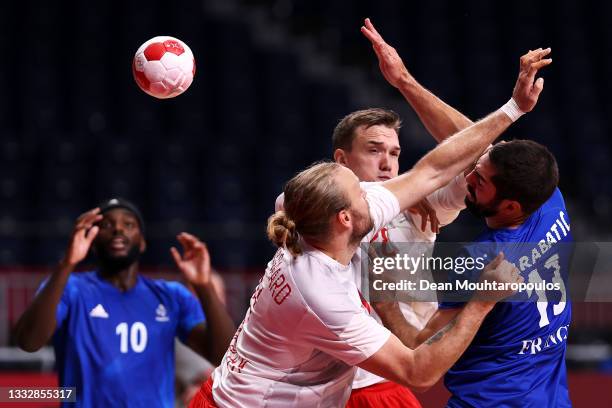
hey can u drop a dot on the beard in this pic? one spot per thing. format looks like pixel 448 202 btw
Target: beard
pixel 363 225
pixel 110 263
pixel 481 210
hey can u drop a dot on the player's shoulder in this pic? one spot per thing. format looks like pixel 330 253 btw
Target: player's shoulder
pixel 317 275
pixel 325 287
pixel 555 203
pixel 81 279
pixel 553 209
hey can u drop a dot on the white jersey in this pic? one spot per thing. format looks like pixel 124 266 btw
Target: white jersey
pixel 306 328
pixel 406 227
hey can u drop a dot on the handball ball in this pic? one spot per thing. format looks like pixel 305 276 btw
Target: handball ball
pixel 163 67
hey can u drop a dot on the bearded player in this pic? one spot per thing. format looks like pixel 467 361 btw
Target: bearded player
pixel 518 356
pixel 113 330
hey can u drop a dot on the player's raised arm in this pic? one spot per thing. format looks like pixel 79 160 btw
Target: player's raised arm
pixel 210 340
pixel 440 119
pixel 456 153
pixel 37 324
pixel 423 367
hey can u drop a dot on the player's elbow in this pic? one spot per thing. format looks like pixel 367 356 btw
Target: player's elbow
pixel 416 379
pixel 30 348
pixel 420 384
pixel 25 339
pixel 26 343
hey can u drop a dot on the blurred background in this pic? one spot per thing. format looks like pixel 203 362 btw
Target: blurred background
pixel 273 79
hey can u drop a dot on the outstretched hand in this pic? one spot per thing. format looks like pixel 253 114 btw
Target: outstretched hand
pixel 391 65
pixel 428 214
pixel 527 89
pixel 195 262
pixel 83 234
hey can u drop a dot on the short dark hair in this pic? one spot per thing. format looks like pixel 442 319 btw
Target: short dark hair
pixel 525 171
pixel 344 133
pixel 118 202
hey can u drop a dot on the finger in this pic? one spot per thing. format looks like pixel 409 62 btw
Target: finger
pixel 368 34
pixel 190 236
pixel 534 66
pixel 91 234
pixel 436 222
pixel 371 27
pixel 541 53
pixel 94 220
pixel 88 220
pixel 90 212
pixel 424 216
pixel 538 86
pixel 192 240
pixel 540 64
pixel 205 253
pixel 375 39
pixel 176 256
pixel 497 261
pixel 369 31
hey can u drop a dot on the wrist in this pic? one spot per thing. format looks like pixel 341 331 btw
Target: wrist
pixel 481 306
pixel 66 264
pixel 202 284
pixel 407 83
pixel 512 110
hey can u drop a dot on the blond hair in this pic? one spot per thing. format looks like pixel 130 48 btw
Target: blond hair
pixel 312 197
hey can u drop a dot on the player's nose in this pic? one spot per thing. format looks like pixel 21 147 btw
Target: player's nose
pixel 384 163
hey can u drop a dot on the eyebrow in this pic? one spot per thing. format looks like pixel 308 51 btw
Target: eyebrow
pixel 480 176
pixel 377 143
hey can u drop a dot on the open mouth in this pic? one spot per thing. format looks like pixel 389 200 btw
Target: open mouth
pixel 118 243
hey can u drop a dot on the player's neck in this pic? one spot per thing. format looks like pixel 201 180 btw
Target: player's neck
pixel 501 221
pixel 124 279
pixel 336 250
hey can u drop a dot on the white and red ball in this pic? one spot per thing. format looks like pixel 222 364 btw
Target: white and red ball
pixel 163 67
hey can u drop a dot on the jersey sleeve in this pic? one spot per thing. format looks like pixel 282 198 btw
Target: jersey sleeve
pixel 63 307
pixel 336 325
pixel 449 200
pixel 383 205
pixel 190 311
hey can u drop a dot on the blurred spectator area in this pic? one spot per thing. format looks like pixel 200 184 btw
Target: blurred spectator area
pixel 75 129
pixel 273 78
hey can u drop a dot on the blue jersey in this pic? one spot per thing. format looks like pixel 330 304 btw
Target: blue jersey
pixel 517 358
pixel 117 348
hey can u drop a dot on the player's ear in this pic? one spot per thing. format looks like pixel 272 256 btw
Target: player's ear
pixel 517 207
pixel 513 207
pixel 340 157
pixel 344 217
pixel 143 245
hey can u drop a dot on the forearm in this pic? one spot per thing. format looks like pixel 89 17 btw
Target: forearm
pixel 447 160
pixel 220 327
pixel 435 356
pixel 459 151
pixel 37 324
pixel 440 119
pixel 392 318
